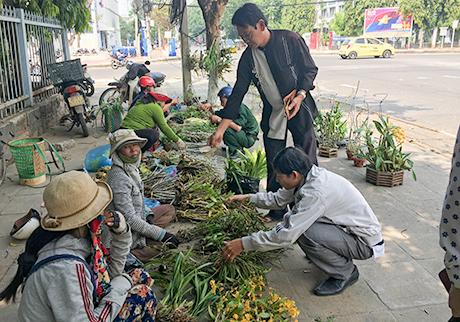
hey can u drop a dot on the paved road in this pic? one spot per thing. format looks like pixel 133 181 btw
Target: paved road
pixel 422 88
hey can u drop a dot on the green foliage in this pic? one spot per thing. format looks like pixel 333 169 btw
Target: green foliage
pixel 214 59
pixel 249 164
pixel 339 23
pixel 354 14
pixel 428 14
pixel 330 127
pixel 385 153
pixel 298 18
pixel 127 30
pixel 73 14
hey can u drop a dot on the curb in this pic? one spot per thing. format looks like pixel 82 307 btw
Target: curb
pixel 159 60
pixel 398 51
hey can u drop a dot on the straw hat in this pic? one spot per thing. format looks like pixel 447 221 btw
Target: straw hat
pixel 122 137
pixel 72 200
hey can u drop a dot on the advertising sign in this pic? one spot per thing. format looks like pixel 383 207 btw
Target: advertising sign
pixel 387 22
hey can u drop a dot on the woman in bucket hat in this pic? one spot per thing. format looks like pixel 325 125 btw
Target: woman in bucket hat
pixel 128 197
pixel 147 116
pixel 65 271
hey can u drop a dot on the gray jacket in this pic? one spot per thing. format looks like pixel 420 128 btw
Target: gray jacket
pixel 128 198
pixel 324 197
pixel 62 290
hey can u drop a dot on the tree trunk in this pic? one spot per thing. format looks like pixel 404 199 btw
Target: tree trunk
pixel 212 13
pixel 421 35
pixel 434 37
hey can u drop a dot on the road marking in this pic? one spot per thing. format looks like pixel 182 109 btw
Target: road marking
pixel 451 76
pixel 354 87
pixel 423 77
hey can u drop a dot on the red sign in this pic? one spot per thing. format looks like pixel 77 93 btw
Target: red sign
pixel 387 22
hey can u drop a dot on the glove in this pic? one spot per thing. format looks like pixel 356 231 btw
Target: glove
pixel 119 223
pixel 181 145
pixel 170 240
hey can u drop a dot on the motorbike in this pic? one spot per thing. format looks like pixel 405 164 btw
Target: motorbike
pixel 121 88
pixel 117 63
pixel 68 77
pixel 88 82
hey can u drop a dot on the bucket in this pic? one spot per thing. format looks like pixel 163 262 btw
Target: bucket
pixel 28 155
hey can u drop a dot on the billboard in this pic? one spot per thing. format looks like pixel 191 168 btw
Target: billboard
pixel 387 22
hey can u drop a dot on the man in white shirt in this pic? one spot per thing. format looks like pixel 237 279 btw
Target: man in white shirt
pixel 331 221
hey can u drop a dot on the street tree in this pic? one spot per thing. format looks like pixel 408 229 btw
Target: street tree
pixel 297 17
pixel 339 23
pixel 213 11
pixel 72 14
pixel 431 14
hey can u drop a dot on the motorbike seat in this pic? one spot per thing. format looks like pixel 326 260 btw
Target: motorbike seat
pixel 116 84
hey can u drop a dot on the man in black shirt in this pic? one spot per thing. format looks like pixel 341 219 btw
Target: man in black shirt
pixel 278 62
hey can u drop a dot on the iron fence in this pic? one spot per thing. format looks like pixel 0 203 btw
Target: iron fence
pixel 28 43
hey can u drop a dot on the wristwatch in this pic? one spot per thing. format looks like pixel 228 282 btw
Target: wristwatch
pixel 303 93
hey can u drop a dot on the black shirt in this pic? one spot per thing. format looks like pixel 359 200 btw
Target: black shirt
pixel 291 65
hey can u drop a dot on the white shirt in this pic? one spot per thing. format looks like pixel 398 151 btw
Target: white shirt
pixel 324 197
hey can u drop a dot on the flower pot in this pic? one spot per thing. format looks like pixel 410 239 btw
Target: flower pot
pixel 349 154
pixel 385 179
pixel 357 162
pixel 327 152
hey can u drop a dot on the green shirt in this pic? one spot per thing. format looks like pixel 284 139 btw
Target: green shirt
pixel 147 116
pixel 246 120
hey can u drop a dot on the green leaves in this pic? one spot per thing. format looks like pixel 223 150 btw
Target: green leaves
pixel 250 164
pixel 330 127
pixel 385 154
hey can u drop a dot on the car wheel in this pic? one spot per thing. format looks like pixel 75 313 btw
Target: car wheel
pixel 352 55
pixel 386 54
pixel 343 56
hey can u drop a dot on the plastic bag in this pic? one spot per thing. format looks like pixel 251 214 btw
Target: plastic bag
pixel 244 185
pixel 97 158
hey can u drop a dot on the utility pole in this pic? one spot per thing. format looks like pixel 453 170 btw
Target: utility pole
pixel 185 56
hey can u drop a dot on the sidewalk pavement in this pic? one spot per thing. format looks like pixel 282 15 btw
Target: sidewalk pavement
pixel 400 286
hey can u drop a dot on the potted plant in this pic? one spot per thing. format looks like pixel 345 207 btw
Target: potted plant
pixel 244 174
pixel 385 155
pixel 356 136
pixel 330 129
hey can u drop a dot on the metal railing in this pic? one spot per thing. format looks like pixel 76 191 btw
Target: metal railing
pixel 28 43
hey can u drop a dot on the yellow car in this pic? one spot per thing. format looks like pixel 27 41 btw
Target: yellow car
pixel 365 47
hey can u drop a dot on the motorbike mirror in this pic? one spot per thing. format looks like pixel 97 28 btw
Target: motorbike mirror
pixel 147 62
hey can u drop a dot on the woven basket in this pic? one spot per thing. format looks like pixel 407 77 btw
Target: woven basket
pixel 385 179
pixel 28 155
pixel 327 152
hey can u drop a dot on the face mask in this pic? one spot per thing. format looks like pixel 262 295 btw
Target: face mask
pixel 127 159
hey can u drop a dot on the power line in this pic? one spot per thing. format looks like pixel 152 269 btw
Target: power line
pixel 273 5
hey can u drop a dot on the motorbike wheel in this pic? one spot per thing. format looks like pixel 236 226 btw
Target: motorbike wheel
pixel 84 126
pixel 109 95
pixel 115 65
pixel 89 89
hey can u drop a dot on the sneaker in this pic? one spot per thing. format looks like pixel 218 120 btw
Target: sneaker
pixel 333 286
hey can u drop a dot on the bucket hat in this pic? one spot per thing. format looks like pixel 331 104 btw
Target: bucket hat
pixel 72 200
pixel 122 137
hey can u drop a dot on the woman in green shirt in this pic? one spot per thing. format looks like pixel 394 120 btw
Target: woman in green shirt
pixel 146 117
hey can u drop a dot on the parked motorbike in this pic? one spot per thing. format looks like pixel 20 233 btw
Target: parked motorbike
pixel 120 89
pixel 88 82
pixel 68 77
